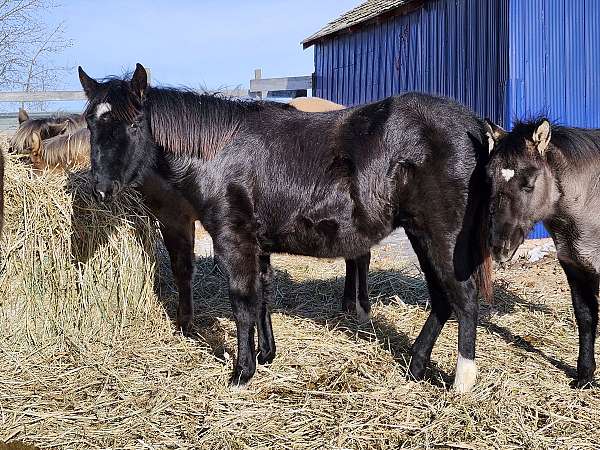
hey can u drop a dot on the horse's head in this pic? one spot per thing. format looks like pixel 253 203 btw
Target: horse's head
pixel 31 132
pixel 523 187
pixel 120 138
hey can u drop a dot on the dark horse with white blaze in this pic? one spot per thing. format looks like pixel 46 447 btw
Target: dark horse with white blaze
pixel 550 173
pixel 266 178
pixel 62 142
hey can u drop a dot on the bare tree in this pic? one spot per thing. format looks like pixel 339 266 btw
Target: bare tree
pixel 27 44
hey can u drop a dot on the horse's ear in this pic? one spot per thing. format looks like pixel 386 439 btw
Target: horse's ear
pixel 541 137
pixel 23 116
pixel 88 84
pixel 139 81
pixel 494 133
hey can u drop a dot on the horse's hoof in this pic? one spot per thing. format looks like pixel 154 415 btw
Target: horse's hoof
pixel 184 324
pixel 265 357
pixel 416 370
pixel 348 307
pixel 239 380
pixel 584 383
pixel 466 374
pixel 361 315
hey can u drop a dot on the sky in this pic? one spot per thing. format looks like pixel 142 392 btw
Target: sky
pixel 200 44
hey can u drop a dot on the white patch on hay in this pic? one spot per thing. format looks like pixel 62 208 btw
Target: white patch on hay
pixel 508 174
pixel 362 315
pixel 102 108
pixel 466 374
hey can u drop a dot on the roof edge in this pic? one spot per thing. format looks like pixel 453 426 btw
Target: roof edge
pixel 399 10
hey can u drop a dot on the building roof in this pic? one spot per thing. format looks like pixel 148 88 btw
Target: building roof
pixel 362 13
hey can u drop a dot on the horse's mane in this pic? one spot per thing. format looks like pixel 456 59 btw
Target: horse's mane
pixel 577 145
pixel 182 121
pixel 41 126
pixel 67 149
pixel 187 123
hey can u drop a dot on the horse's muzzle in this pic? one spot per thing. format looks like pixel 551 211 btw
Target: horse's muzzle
pixel 503 250
pixel 106 191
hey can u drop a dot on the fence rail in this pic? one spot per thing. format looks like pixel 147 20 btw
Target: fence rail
pixel 284 87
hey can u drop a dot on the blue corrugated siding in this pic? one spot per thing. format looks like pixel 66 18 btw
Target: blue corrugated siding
pixel 454 48
pixel 555 61
pixel 505 59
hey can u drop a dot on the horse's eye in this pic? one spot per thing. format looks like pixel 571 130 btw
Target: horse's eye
pixel 527 188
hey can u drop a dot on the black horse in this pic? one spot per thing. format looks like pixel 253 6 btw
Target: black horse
pixel 264 178
pixel 550 173
pixel 62 142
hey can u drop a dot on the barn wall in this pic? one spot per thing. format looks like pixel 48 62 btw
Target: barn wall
pixel 456 48
pixel 555 61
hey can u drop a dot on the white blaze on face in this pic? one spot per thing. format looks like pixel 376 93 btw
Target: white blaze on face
pixel 102 108
pixel 508 174
pixel 466 374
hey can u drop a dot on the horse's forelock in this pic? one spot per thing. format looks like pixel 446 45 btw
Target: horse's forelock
pixel 124 104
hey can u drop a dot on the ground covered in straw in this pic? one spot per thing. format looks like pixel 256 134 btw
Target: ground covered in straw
pixel 98 365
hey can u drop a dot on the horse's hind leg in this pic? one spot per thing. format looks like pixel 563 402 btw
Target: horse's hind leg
pixel 237 255
pixel 349 298
pixel 179 240
pixel 363 305
pixel 584 294
pixel 266 340
pixel 356 287
pixel 447 294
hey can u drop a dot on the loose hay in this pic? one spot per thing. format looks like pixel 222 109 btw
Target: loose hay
pixel 88 357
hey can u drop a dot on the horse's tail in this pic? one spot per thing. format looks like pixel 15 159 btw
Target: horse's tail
pixel 483 272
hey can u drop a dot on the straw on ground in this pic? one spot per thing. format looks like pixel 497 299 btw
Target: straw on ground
pixel 89 357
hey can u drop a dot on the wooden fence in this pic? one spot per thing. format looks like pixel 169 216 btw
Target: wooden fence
pixel 288 87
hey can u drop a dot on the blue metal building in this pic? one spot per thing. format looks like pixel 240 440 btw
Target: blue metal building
pixel 505 59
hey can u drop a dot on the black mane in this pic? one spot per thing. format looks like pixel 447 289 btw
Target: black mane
pixel 577 145
pixel 182 121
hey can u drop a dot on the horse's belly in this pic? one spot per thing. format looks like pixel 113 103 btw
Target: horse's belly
pixel 327 238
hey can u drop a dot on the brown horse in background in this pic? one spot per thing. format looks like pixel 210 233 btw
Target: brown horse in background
pixel 62 143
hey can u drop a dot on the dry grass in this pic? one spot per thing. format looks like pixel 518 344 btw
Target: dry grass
pixel 88 357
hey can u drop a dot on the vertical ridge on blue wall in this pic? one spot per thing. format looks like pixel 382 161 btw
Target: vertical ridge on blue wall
pixel 504 59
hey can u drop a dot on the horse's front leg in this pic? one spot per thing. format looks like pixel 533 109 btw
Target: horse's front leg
pixel 266 340
pixel 179 240
pixel 236 253
pixel 447 294
pixel 584 294
pixel 440 311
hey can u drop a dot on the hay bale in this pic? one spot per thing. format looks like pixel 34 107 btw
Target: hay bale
pixel 72 269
